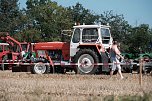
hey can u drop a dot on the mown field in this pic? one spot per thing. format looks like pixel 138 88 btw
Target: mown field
pixel 71 87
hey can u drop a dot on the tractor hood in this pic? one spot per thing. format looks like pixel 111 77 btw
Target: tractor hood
pixel 51 46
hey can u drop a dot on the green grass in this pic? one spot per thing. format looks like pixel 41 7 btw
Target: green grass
pixel 145 97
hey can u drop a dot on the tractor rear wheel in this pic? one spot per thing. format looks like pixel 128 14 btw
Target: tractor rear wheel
pixel 86 60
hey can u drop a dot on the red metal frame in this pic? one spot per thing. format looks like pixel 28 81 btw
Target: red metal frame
pixel 3 52
pixel 8 39
pixel 65 47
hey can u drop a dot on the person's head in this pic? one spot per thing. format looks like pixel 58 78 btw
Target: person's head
pixel 115 42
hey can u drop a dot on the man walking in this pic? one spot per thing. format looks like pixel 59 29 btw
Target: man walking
pixel 114 53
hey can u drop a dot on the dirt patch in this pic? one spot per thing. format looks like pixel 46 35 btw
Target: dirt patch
pixel 69 87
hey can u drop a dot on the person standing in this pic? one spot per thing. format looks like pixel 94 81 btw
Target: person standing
pixel 114 54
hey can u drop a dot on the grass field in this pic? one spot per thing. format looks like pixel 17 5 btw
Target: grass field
pixel 71 87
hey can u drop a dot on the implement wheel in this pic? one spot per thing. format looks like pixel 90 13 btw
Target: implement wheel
pixel 40 67
pixel 86 60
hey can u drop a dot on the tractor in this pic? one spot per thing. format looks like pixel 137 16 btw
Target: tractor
pixel 85 53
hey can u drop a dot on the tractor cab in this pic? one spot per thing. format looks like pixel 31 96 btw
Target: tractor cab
pixel 90 35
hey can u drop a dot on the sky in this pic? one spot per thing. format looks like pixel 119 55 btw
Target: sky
pixel 136 12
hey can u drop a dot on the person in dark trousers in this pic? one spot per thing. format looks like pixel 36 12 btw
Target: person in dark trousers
pixel 114 54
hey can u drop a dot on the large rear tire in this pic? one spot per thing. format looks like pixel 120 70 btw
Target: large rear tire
pixel 40 67
pixel 86 60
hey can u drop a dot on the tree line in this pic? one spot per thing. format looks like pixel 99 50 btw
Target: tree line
pixel 43 20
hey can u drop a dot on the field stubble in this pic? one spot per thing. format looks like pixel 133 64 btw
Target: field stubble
pixel 69 87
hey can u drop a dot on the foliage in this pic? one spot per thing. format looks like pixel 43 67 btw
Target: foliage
pixel 48 18
pixel 31 35
pixel 9 15
pixel 141 36
pixel 81 15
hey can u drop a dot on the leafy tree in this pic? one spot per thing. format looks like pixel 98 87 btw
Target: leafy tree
pixel 48 18
pixel 141 37
pixel 81 15
pixel 9 15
